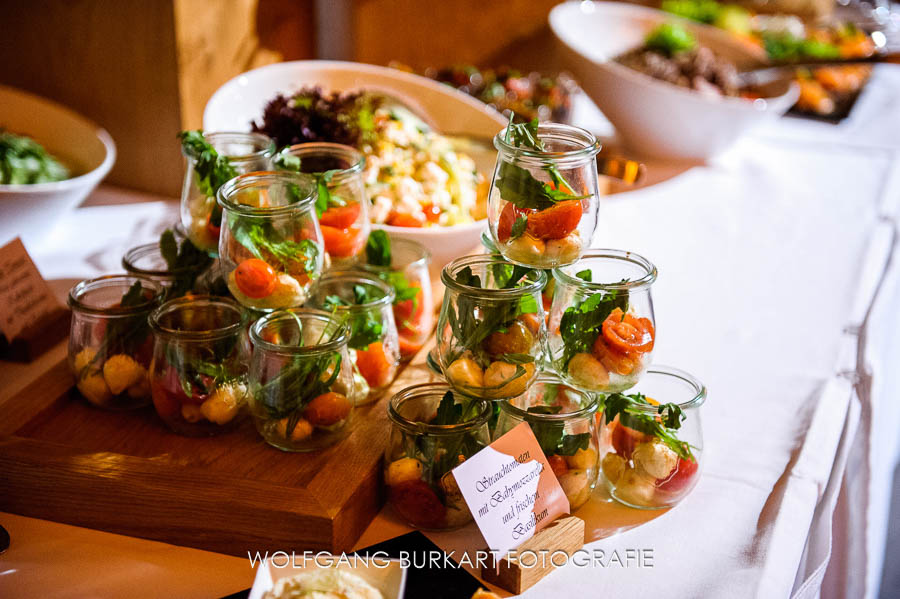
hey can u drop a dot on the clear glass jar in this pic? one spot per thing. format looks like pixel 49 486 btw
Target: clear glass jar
pixel 652 439
pixel 413 301
pixel 342 205
pixel 563 420
pixel 270 244
pixel 200 361
pixel 200 214
pixel 491 331
pixel 147 260
pixel 365 304
pixel 110 344
pixel 543 203
pixel 421 453
pixel 302 388
pixel 602 328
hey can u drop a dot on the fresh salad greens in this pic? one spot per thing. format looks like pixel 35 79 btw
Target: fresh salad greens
pixel 366 326
pixel 581 323
pixel 213 169
pixel 445 457
pixel 124 334
pixel 631 410
pixel 552 436
pixel 518 186
pixel 324 198
pixel 378 253
pixel 23 161
pixel 265 243
pixel 184 260
pixel 670 39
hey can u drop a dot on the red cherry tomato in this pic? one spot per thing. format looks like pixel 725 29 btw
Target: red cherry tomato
pixel 255 278
pixel 212 228
pixel 625 439
pixel 408 313
pixel 627 333
pixel 507 219
pixel 341 217
pixel 432 212
pixel 558 465
pixel 342 243
pixel 410 346
pixel 555 222
pixel 403 219
pixel 681 479
pixel 374 364
pixel 416 501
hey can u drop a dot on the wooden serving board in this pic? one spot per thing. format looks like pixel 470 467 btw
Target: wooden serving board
pixel 64 460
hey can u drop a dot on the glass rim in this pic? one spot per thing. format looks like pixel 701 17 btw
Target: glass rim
pixel 587 411
pixel 349 276
pixel 194 301
pixel 424 256
pixel 252 179
pixel 590 145
pixel 533 286
pixel 649 277
pixel 77 292
pixel 254 138
pixel 338 338
pixel 696 401
pixel 140 251
pixel 423 428
pixel 327 148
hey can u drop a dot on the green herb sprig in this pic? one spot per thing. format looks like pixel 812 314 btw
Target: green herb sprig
pixel 580 324
pixel 184 260
pixel 663 425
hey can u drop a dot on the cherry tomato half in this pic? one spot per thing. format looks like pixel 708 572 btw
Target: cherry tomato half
pixel 555 222
pixel 404 219
pixel 342 243
pixel 341 217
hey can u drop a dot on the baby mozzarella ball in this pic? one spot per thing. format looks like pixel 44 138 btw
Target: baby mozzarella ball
pixel 587 371
pixel 655 458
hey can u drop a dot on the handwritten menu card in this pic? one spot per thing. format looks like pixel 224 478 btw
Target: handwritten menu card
pixel 26 301
pixel 510 489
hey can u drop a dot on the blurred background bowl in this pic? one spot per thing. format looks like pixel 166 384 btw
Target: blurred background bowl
pixel 89 152
pixel 655 118
pixel 242 100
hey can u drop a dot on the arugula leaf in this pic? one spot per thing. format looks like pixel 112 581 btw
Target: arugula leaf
pixel 298 383
pixel 448 412
pixel 212 169
pixel 466 277
pixel 551 435
pixel 580 324
pixel 265 243
pixel 519 226
pixel 663 426
pixel 186 262
pixel 584 275
pixel 134 296
pixel 378 248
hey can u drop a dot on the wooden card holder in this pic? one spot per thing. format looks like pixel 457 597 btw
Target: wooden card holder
pixel 533 559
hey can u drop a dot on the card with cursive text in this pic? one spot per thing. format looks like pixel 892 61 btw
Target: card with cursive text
pixel 510 489
pixel 25 297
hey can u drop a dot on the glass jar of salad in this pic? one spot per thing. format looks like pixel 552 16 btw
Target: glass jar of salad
pixel 271 244
pixel 601 320
pixel 302 388
pixel 212 159
pixel 433 430
pixel 544 198
pixel 652 439
pixel 110 344
pixel 341 206
pixel 403 264
pixel 184 274
pixel 200 362
pixel 562 419
pixel 365 304
pixel 491 331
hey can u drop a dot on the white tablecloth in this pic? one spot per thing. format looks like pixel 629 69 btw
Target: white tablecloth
pixel 769 258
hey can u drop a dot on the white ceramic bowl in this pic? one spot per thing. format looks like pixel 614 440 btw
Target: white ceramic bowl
pixel 242 100
pixel 656 118
pixel 29 211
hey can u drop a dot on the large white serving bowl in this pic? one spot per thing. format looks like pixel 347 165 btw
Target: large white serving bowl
pixel 656 118
pixel 242 100
pixel 29 211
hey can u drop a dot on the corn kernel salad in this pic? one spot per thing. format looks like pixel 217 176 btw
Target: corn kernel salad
pixel 414 177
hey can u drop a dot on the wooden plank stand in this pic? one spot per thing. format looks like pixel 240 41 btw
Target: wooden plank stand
pixel 533 559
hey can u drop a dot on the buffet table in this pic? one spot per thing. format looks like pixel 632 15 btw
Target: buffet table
pixel 775 289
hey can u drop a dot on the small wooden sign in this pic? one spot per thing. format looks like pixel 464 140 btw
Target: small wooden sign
pixel 31 319
pixel 538 556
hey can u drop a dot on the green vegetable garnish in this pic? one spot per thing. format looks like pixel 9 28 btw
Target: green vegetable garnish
pixel 378 249
pixel 518 185
pixel 265 243
pixel 213 170
pixel 184 260
pixel 23 161
pixel 670 39
pixel 580 324
pixel 668 419
pixel 366 327
pixel 378 253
